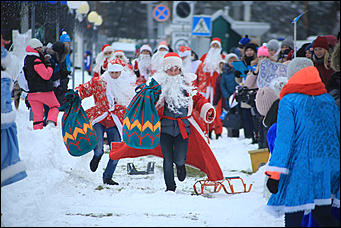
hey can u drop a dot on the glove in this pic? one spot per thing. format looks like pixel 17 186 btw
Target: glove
pixel 210 115
pixel 272 185
pixel 273 181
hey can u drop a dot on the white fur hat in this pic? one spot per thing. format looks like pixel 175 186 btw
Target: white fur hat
pixel 171 59
pixel 230 56
pixel 184 51
pixel 35 43
pixel 146 47
pixel 115 66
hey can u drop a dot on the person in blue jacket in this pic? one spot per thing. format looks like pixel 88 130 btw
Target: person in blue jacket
pixel 12 168
pixel 88 61
pixel 304 168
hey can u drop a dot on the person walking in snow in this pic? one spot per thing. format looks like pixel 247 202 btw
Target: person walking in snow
pixel 304 168
pixel 38 72
pixel 142 64
pixel 112 92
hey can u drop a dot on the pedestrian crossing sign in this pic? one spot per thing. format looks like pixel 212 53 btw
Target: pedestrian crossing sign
pixel 201 26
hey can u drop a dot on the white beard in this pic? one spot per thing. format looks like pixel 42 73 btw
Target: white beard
pixel 120 90
pixel 187 65
pixel 157 60
pixel 212 59
pixel 173 90
pixel 144 62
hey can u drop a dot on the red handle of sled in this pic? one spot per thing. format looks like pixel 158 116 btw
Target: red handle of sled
pixel 218 185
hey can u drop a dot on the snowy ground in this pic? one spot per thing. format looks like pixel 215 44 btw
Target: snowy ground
pixel 60 190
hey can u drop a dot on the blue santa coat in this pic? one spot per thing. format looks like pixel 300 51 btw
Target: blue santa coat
pixel 306 154
pixel 12 169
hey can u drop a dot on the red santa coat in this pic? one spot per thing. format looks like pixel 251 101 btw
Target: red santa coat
pixel 206 83
pixel 199 153
pixel 96 87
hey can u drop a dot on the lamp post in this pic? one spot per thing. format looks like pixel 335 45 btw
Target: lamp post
pixel 83 10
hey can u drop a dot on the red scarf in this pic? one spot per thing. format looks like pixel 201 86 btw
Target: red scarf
pixel 306 81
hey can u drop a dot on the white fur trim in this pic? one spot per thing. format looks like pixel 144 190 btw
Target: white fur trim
pixel 99 118
pixel 278 211
pixel 185 53
pixel 115 67
pixel 277 169
pixel 197 127
pixel 146 47
pixel 204 111
pixel 8 117
pixel 32 53
pixel 162 46
pixel 216 42
pixel 108 49
pixel 190 77
pixel 118 124
pixel 171 61
pixel 336 203
pixel 12 170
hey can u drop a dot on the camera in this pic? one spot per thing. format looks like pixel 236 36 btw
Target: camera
pixel 246 95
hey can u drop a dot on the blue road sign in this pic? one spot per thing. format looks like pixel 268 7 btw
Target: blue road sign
pixel 161 13
pixel 201 26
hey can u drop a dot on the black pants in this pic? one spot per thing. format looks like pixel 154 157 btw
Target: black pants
pixel 322 216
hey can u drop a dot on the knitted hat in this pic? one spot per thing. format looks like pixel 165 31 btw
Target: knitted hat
pixel 115 66
pixel 244 41
pixel 64 37
pixel 216 40
pixel 298 64
pixel 35 43
pixel 163 44
pixel 253 46
pixel 273 45
pixel 106 48
pixel 321 42
pixel 171 59
pixel 265 97
pixel 263 51
pixel 146 47
pixel 288 42
pixel 184 51
pixel 230 56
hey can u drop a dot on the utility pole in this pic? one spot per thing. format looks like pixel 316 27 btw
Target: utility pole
pixel 33 19
pixel 24 17
pixel 149 20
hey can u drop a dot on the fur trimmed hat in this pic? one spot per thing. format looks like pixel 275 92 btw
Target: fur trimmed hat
pixel 163 44
pixel 228 56
pixel 184 51
pixel 147 48
pixel 216 40
pixel 35 43
pixel 115 65
pixel 107 48
pixel 321 42
pixel 253 46
pixel 298 64
pixel 273 45
pixel 171 59
pixel 265 97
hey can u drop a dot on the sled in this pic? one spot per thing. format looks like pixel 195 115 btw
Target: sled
pixel 131 170
pixel 215 186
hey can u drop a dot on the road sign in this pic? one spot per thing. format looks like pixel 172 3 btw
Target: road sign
pixel 201 26
pixel 161 13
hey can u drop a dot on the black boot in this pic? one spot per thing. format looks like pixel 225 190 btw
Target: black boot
pixel 181 172
pixel 109 181
pixel 217 136
pixel 210 134
pixel 94 163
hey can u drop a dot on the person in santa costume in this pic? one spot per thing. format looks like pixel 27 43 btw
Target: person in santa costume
pixel 112 92
pixel 119 54
pixel 142 64
pixel 102 60
pixel 189 66
pixel 157 58
pixel 183 113
pixel 207 72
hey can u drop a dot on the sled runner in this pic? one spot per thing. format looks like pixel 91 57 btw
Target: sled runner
pixel 215 186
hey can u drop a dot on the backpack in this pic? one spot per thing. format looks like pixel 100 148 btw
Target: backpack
pixel 141 125
pixel 22 81
pixel 78 134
